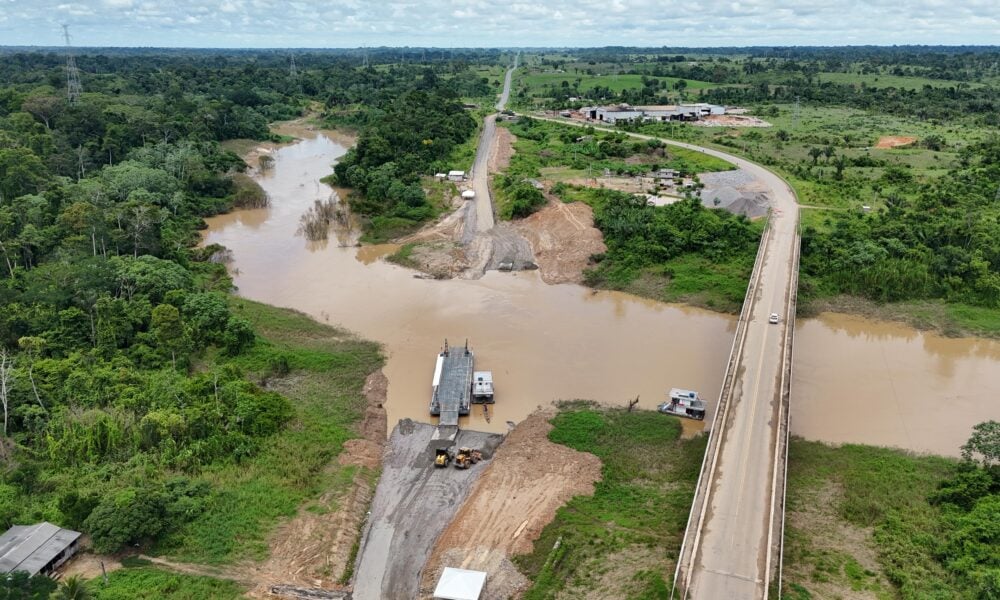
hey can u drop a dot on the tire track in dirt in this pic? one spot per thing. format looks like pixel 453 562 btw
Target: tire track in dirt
pixel 515 498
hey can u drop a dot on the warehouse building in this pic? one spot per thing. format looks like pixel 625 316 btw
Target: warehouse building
pixel 36 549
pixel 669 112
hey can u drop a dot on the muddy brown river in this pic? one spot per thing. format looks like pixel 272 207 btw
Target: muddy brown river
pixel 854 380
pixel 870 382
pixel 542 342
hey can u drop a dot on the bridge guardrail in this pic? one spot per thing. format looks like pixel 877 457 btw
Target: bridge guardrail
pixel 722 406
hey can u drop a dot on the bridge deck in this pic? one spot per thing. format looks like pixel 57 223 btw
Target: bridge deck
pixel 735 525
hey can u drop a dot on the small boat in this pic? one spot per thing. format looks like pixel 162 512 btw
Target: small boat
pixel 683 403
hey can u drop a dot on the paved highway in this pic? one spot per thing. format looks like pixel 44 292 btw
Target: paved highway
pixel 730 543
pixel 480 167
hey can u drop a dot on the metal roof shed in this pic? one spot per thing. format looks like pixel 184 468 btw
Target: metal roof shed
pixel 460 584
pixel 36 548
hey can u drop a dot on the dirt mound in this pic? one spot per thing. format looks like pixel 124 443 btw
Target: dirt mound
pixel 731 121
pixel 894 141
pixel 503 150
pixel 562 238
pixel 518 494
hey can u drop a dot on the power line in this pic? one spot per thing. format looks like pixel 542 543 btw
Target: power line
pixel 73 86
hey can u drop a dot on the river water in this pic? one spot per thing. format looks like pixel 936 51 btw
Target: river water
pixel 542 342
pixel 871 382
pixel 854 380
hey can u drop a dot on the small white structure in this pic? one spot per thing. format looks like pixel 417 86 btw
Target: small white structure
pixel 456 175
pixel 482 387
pixel 460 584
pixel 468 195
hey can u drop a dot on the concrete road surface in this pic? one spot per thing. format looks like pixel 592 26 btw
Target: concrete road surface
pixel 413 504
pixel 480 167
pixel 731 545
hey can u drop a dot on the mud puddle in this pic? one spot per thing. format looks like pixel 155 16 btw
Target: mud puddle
pixel 543 342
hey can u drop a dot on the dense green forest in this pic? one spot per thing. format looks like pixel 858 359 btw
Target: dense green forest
pixel 940 239
pixel 401 140
pixel 127 373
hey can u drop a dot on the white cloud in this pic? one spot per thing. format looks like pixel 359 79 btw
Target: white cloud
pixel 322 23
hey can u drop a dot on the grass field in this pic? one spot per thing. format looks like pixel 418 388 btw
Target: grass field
pixel 878 80
pixel 538 81
pixel 860 524
pixel 150 583
pixel 623 540
pixel 326 370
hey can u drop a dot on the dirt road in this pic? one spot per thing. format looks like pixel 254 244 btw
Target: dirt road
pixel 413 503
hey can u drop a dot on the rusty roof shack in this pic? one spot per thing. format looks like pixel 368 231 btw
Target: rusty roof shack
pixel 36 549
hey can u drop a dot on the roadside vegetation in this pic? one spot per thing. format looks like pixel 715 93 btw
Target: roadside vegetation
pixel 682 252
pixel 150 583
pixel 623 540
pixel 891 524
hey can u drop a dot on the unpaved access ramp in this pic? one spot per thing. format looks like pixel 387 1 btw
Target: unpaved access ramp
pixel 414 502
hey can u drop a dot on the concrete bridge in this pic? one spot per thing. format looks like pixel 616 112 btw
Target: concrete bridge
pixel 733 541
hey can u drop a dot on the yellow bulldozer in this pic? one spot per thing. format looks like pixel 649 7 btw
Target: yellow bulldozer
pixel 467 457
pixel 442 456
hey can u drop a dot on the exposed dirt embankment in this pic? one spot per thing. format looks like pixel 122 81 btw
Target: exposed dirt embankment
pixel 562 238
pixel 313 549
pixel 516 497
pixel 894 141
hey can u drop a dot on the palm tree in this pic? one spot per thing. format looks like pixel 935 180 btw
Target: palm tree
pixel 72 588
pixel 815 153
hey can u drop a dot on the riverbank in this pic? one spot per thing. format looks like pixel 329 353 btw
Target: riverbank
pixel 866 522
pixel 938 316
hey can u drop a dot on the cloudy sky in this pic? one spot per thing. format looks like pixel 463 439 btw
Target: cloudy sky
pixel 477 23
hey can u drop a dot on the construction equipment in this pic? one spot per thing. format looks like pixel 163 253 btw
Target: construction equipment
pixel 467 457
pixel 442 456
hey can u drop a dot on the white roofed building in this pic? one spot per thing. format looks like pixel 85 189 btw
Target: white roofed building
pixel 460 584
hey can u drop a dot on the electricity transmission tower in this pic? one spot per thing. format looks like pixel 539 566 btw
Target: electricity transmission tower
pixel 795 118
pixel 73 86
pixel 293 72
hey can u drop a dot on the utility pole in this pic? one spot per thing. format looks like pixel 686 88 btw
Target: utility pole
pixel 73 86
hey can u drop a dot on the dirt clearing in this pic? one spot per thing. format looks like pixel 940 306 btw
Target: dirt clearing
pixel 503 150
pixel 731 121
pixel 516 497
pixel 413 504
pixel 894 141
pixel 563 238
